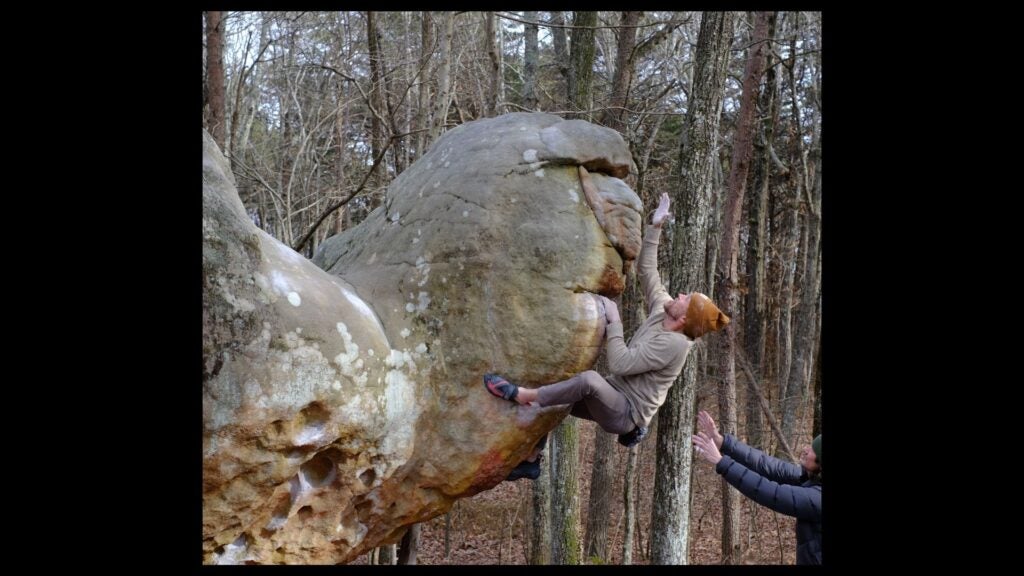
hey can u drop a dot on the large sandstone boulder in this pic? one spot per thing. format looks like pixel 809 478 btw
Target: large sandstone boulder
pixel 343 397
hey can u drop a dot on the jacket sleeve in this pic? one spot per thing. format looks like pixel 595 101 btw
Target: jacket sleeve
pixel 760 463
pixel 654 354
pixel 647 270
pixel 802 502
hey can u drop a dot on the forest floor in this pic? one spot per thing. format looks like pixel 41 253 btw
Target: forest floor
pixel 493 527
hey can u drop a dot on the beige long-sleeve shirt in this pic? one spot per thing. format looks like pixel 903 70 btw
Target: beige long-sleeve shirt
pixel 646 368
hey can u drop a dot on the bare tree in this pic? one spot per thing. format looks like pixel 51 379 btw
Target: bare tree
pixel 805 324
pixel 376 102
pixel 565 500
pixel 492 38
pixel 727 291
pixel 633 315
pixel 629 500
pixel 289 141
pixel 623 75
pixel 215 118
pixel 530 58
pixel 440 116
pixel 602 479
pixel 560 44
pixel 422 120
pixel 754 306
pixel 692 208
pixel 581 71
pixel 540 525
pixel 409 545
pixel 790 393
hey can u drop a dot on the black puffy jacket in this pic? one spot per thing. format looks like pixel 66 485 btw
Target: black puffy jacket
pixel 779 485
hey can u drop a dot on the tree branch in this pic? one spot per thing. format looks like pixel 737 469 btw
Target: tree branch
pixel 254 175
pixel 764 405
pixel 593 110
pixel 570 26
pixel 376 161
pixel 641 49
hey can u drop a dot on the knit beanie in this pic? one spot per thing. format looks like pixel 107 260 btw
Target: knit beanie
pixel 816 446
pixel 702 316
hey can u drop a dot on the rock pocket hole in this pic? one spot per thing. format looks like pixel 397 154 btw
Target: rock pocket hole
pixel 320 471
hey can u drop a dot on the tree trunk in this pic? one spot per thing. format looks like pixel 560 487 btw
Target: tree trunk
pixel 791 394
pixel 340 126
pixel 629 501
pixel 206 79
pixel 780 234
pixel 633 315
pixel 215 118
pixel 289 136
pixel 422 120
pixel 714 232
pixel 447 535
pixel 565 498
pixel 540 526
pixel 805 323
pixel 492 36
pixel 252 95
pixel 602 476
pixel 392 109
pixel 754 308
pixel 727 292
pixel 530 59
pixel 602 479
pixel 478 104
pixel 645 157
pixel 789 241
pixel 581 52
pixel 409 546
pixel 239 82
pixel 439 120
pixel 565 529
pixel 692 208
pixel 376 90
pixel 613 116
pixel 816 428
pixel 560 43
pixel 772 360
pixel 250 117
pixel 816 153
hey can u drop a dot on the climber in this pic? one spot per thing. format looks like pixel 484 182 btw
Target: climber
pixel 643 370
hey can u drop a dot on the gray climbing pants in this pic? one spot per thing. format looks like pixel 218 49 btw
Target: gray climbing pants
pixel 592 398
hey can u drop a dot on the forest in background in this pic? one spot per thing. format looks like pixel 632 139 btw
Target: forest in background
pixel 317 112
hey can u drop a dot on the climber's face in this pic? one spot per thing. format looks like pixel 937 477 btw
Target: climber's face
pixel 676 308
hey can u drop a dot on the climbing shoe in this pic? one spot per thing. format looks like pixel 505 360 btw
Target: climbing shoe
pixel 525 469
pixel 500 387
pixel 633 438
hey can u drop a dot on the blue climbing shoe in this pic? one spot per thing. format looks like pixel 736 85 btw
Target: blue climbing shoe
pixel 633 438
pixel 526 469
pixel 500 387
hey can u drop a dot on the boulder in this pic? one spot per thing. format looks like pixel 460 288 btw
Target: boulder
pixel 342 397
